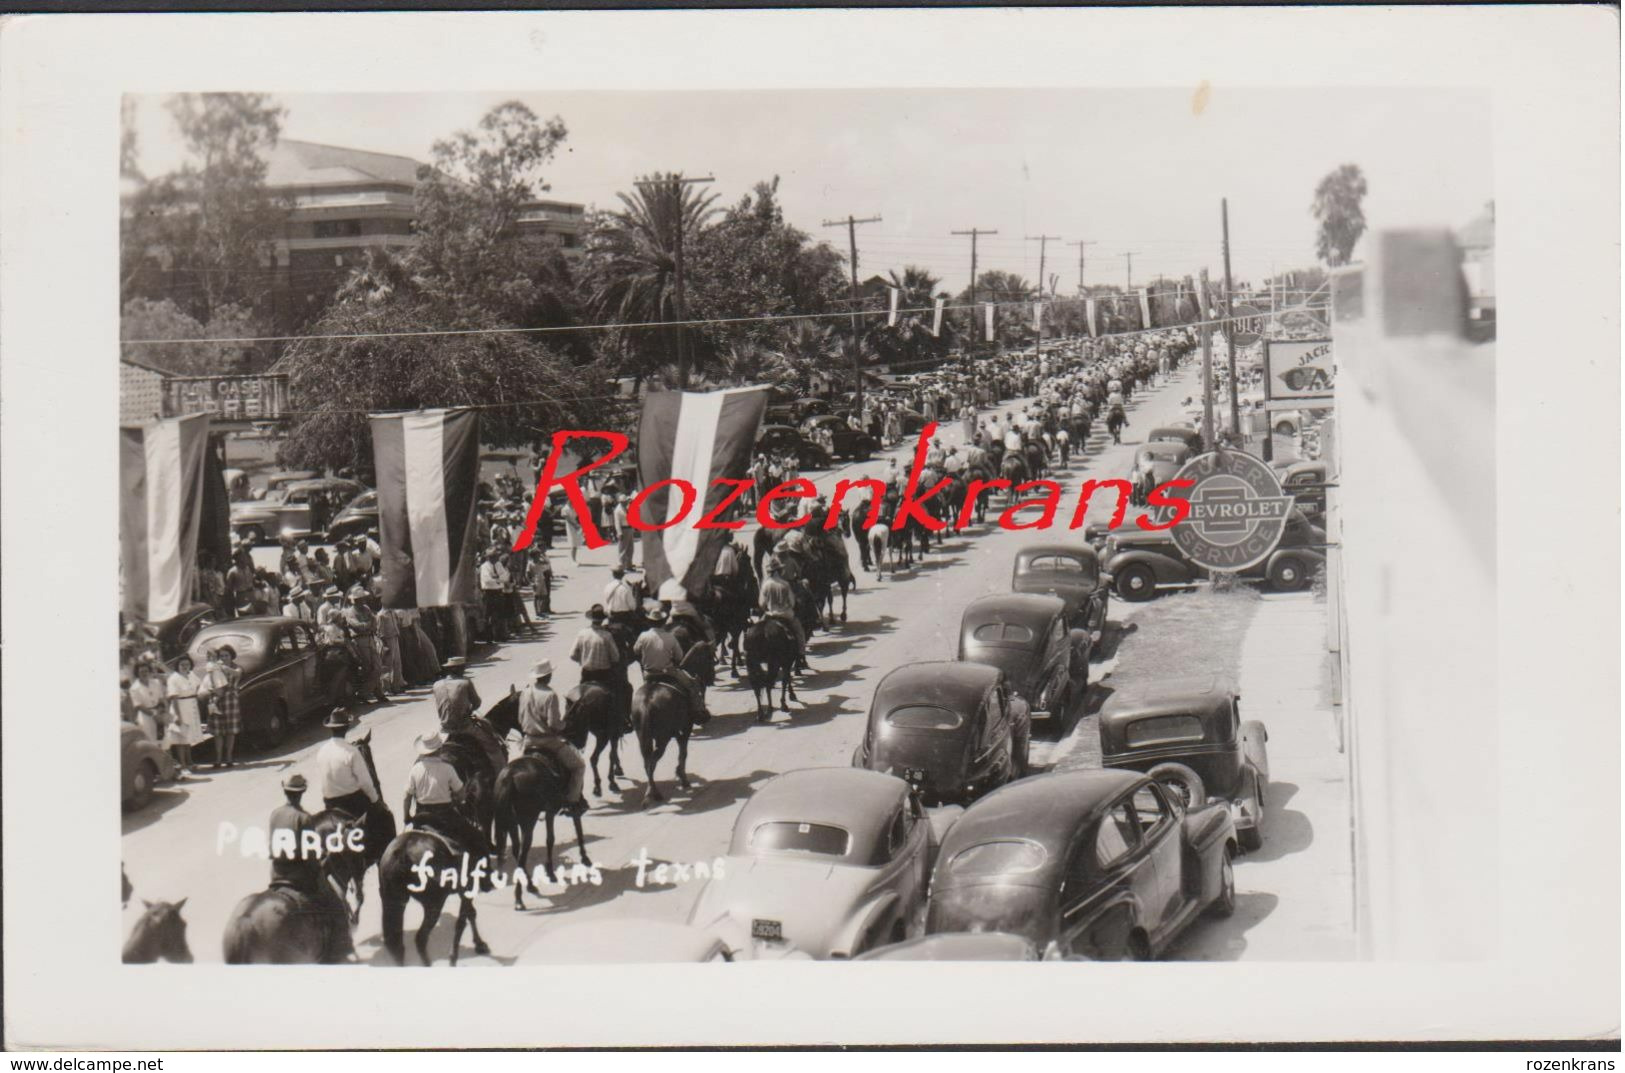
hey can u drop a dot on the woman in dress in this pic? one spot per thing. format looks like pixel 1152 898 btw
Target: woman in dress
pixel 185 725
pixel 221 681
pixel 572 529
pixel 147 695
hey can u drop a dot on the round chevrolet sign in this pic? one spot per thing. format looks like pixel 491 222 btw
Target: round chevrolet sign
pixel 1237 514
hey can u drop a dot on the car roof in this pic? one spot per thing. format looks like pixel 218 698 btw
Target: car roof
pixel 945 683
pixel 249 624
pixel 1173 696
pixel 1012 607
pixel 1080 550
pixel 1046 809
pixel 857 799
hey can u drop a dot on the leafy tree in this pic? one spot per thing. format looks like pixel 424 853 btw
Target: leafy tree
pixel 144 318
pixel 807 348
pixel 1337 206
pixel 910 342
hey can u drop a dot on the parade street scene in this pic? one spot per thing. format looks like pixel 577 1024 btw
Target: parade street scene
pixel 538 550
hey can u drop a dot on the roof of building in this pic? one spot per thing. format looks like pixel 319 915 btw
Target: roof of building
pixel 299 163
pixel 144 365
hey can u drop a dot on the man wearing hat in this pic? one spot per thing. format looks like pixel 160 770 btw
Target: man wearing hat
pixel 433 790
pixel 346 783
pixel 359 629
pixel 659 654
pixel 620 599
pixel 455 697
pixel 777 600
pixel 625 536
pixel 541 721
pixel 296 867
pixel 595 650
pixel 493 601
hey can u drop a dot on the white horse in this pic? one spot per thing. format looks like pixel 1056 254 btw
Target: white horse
pixel 879 537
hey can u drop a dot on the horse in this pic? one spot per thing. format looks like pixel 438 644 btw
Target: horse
pixel 533 786
pixel 1037 459
pixel 1014 470
pixel 770 656
pixel 833 571
pixel 277 926
pixel 594 703
pixel 1115 422
pixel 661 714
pixel 159 935
pixel 422 865
pixel 349 867
pixel 728 605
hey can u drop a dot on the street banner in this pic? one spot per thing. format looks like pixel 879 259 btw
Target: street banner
pixel 162 479
pixel 700 437
pixel 428 465
pixel 891 317
pixel 1093 309
pixel 936 317
pixel 1145 307
pixel 988 306
pixel 1038 316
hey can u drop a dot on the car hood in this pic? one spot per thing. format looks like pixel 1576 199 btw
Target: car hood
pixel 814 901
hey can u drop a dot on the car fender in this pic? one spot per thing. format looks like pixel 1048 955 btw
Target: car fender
pixel 1253 737
pixel 1308 555
pixel 1107 926
pixel 876 915
pixel 1207 832
pixel 1168 569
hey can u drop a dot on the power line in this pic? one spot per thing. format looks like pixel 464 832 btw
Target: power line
pixel 852 223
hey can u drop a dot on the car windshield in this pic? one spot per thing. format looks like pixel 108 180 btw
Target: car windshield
pixel 1164 730
pixel 1056 564
pixel 365 499
pixel 924 717
pixel 1003 857
pixel 241 643
pixel 782 836
pixel 1003 633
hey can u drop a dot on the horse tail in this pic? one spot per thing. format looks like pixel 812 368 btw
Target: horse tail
pixel 394 910
pixel 238 946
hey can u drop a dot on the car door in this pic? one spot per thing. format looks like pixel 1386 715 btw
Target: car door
pixel 295 660
pixel 294 514
pixel 998 735
pixel 1158 821
pixel 1102 886
pixel 1057 666
pixel 908 840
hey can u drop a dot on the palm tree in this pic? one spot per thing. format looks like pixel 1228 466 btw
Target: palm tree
pixel 633 256
pixel 805 350
pixel 911 335
pixel 746 362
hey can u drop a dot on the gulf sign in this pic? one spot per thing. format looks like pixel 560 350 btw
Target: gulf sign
pixel 1237 511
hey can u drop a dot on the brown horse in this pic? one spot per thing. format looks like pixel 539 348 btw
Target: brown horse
pixel 160 935
pixel 349 867
pixel 530 787
pixel 770 656
pixel 604 719
pixel 426 866
pixel 280 926
pixel 661 714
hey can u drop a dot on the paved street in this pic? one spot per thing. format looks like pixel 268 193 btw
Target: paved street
pixel 169 848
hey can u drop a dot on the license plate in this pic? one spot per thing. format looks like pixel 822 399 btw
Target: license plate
pixel 914 774
pixel 771 930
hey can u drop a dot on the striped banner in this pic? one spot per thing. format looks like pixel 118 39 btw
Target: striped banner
pixel 936 317
pixel 1038 316
pixel 698 437
pixel 891 317
pixel 1093 309
pixel 162 488
pixel 1145 307
pixel 988 306
pixel 428 465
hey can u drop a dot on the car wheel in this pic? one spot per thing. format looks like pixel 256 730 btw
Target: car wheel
pixel 1284 428
pixel 1181 781
pixel 254 535
pixel 1137 582
pixel 1287 574
pixel 1225 904
pixel 142 783
pixel 276 724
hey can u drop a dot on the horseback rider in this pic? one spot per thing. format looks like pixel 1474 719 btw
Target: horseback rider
pixel 297 867
pixel 455 697
pixel 434 788
pixel 595 650
pixel 347 785
pixel 661 655
pixel 541 721
pixel 777 600
pixel 621 600
pixel 681 611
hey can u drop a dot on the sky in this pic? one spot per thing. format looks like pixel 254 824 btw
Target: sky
pixel 1138 173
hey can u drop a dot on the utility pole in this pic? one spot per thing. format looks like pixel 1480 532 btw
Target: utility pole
pixel 852 223
pixel 1229 324
pixel 1080 244
pixel 673 185
pixel 1130 278
pixel 1207 374
pixel 973 232
pixel 1043 243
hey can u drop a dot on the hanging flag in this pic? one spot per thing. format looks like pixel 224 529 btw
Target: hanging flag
pixel 891 317
pixel 698 437
pixel 1038 316
pixel 163 475
pixel 428 465
pixel 1145 307
pixel 936 317
pixel 988 306
pixel 1093 309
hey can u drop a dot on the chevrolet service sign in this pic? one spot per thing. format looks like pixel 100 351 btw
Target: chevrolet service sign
pixel 1238 511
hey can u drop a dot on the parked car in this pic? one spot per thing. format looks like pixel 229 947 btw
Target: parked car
pixel 849 442
pixel 1306 483
pixel 948 728
pixel 1070 571
pixel 1165 458
pixel 796 410
pixel 284 680
pixel 1099 864
pixel 358 515
pixel 1026 636
pixel 1187 733
pixel 827 861
pixel 176 632
pixel 958 946
pixel 287 511
pixel 1185 434
pixel 782 439
pixel 143 764
pixel 1142 564
pixel 1286 422
pixel 279 481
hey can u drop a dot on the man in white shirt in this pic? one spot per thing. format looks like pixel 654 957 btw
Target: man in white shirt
pixel 620 599
pixel 432 792
pixel 347 785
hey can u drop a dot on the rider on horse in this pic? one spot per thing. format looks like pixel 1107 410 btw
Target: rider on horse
pixel 434 787
pixel 778 600
pixel 297 868
pixel 661 656
pixel 541 721
pixel 682 612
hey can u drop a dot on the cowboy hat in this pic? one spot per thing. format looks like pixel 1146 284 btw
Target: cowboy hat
pixel 295 782
pixel 596 612
pixel 429 743
pixel 337 719
pixel 357 592
pixel 542 669
pixel 455 663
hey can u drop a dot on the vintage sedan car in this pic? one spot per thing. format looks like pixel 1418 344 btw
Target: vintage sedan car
pixel 1143 564
pixel 782 439
pixel 143 764
pixel 848 441
pixel 1070 571
pixel 1187 733
pixel 1306 483
pixel 948 728
pixel 175 633
pixel 827 861
pixel 1025 635
pixel 1185 434
pixel 284 680
pixel 288 510
pixel 278 482
pixel 1164 458
pixel 358 515
pixel 958 946
pixel 1098 864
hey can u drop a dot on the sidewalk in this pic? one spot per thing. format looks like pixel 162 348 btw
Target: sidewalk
pixel 1295 897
